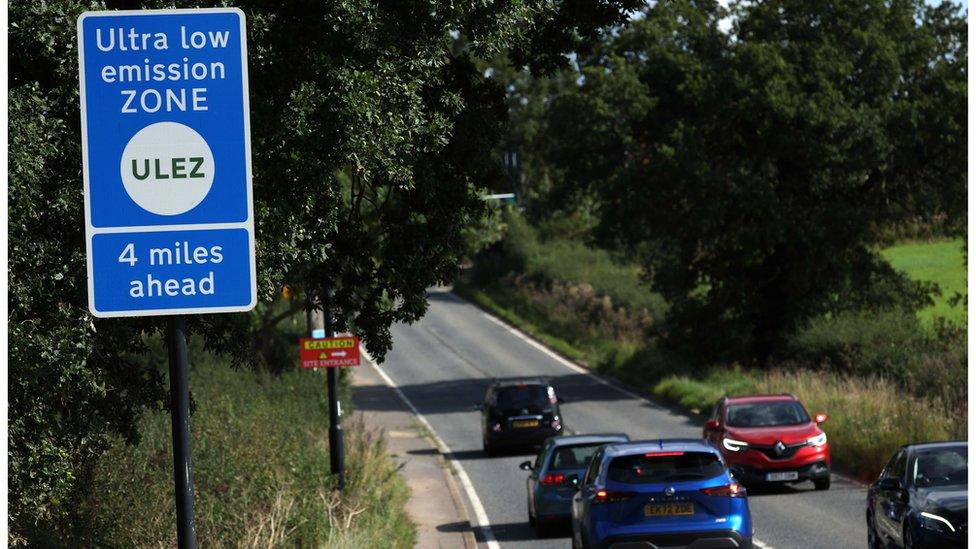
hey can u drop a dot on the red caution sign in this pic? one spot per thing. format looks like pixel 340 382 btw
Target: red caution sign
pixel 330 352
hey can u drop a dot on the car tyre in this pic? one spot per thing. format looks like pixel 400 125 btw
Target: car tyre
pixel 490 450
pixel 907 541
pixel 541 529
pixel 822 483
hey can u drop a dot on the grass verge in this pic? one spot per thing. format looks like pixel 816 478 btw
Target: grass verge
pixel 262 476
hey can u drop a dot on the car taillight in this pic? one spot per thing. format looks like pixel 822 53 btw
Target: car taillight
pixel 553 478
pixel 556 424
pixel 734 490
pixel 609 496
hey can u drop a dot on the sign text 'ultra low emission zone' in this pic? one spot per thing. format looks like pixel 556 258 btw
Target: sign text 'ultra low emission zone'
pixel 167 162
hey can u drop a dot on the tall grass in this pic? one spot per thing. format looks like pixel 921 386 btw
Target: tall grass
pixel 261 469
pixel 869 418
pixel 575 262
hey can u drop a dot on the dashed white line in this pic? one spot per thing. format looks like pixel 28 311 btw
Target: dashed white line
pixel 479 509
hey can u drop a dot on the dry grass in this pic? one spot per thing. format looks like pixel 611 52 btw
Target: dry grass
pixel 868 419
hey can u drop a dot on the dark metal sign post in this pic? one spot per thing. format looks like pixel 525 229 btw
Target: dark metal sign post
pixel 337 458
pixel 186 528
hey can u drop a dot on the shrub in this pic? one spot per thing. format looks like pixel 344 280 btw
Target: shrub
pixel 891 345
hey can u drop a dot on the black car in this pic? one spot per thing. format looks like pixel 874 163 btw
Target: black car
pixel 920 499
pixel 519 414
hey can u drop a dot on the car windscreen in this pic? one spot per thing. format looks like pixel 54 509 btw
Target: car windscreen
pixel 766 414
pixel 664 467
pixel 513 399
pixel 573 457
pixel 940 467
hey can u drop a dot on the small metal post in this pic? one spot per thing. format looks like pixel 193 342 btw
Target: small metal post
pixel 337 457
pixel 186 529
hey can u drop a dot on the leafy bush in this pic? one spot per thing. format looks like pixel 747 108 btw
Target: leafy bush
pixel 891 345
pixel 523 251
pixel 260 450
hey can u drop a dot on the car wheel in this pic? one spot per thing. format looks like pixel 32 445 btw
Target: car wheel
pixel 531 518
pixel 822 483
pixel 874 542
pixel 907 541
pixel 541 529
pixel 489 449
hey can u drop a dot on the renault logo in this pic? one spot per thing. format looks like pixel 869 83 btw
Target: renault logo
pixel 669 491
pixel 779 447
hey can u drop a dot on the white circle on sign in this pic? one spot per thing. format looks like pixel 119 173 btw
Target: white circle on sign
pixel 167 168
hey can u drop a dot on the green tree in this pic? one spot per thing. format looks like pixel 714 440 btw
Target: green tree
pixel 752 171
pixel 372 131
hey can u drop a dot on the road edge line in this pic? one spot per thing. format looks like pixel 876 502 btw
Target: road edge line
pixel 574 367
pixel 479 510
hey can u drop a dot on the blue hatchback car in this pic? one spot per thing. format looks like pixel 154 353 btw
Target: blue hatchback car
pixel 662 493
pixel 549 498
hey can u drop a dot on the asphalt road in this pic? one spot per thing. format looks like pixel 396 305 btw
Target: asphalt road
pixel 444 363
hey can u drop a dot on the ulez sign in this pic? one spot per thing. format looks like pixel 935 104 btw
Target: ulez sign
pixel 330 352
pixel 166 155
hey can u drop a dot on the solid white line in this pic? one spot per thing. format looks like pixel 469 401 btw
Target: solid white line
pixel 582 370
pixel 479 510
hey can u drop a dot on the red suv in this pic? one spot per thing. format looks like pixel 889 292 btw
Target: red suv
pixel 770 439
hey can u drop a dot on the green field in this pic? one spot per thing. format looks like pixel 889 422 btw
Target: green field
pixel 942 262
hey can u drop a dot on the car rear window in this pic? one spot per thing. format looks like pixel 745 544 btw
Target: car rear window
pixel 532 398
pixel 664 467
pixel 766 414
pixel 573 457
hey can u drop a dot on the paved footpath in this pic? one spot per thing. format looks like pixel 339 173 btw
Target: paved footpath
pixel 435 502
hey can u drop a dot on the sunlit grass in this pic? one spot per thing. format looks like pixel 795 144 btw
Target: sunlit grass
pixel 942 262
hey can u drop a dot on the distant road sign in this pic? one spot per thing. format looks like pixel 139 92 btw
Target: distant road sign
pixel 329 352
pixel 166 152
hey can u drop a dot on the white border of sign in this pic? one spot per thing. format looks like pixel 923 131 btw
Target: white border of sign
pixel 90 231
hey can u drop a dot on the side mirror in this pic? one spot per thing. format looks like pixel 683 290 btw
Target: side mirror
pixel 890 484
pixel 572 481
pixel 525 466
pixel 711 425
pixel 820 418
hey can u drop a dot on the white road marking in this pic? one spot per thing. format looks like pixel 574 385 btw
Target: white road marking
pixel 581 370
pixel 479 510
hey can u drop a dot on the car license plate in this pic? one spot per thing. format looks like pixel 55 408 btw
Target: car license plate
pixel 782 475
pixel 523 423
pixel 668 509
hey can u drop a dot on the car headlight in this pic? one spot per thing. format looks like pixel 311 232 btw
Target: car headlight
pixel 818 440
pixel 931 521
pixel 733 445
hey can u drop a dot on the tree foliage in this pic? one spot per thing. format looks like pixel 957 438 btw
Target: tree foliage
pixel 371 131
pixel 751 167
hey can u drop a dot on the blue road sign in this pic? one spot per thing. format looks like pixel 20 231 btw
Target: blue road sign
pixel 166 152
